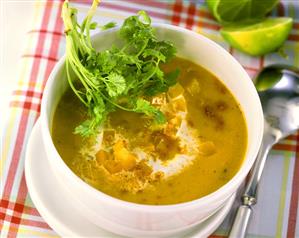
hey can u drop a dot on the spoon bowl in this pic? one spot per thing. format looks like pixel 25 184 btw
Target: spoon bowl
pixel 280 101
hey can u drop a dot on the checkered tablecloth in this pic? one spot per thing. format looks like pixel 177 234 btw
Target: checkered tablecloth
pixel 275 215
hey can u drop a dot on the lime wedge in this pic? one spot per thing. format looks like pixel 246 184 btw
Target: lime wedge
pixel 226 11
pixel 259 38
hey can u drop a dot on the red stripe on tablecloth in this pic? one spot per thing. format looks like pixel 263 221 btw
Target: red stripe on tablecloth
pixel 43 31
pixel 261 63
pixel 208 25
pixel 26 105
pixel 18 208
pixel 292 137
pixel 49 58
pixel 191 15
pixel 15 221
pixel 24 117
pixel 250 68
pixel 23 191
pixel 296 25
pixel 27 93
pixel 11 205
pixel 285 147
pixel 293 37
pixel 54 46
pixel 294 196
pixel 177 10
pixel 16 155
pixel 280 9
pixel 217 236
pixel 205 14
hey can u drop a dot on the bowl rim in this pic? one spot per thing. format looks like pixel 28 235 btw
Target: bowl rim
pixel 215 195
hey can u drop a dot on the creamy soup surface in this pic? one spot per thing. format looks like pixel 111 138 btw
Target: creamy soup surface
pixel 199 149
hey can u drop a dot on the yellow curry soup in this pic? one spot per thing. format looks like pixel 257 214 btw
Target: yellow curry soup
pixel 198 150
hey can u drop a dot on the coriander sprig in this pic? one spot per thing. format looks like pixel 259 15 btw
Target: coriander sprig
pixel 120 77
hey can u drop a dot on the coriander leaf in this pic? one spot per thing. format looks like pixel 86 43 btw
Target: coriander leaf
pixel 143 106
pixel 144 18
pixel 159 117
pixel 134 30
pixel 106 62
pixel 93 25
pixel 107 26
pixel 171 77
pixel 154 53
pixel 166 48
pixel 116 84
pixel 85 128
pixel 156 88
pixel 159 74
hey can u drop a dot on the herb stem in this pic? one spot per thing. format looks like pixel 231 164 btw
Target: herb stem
pixel 117 78
pixel 72 85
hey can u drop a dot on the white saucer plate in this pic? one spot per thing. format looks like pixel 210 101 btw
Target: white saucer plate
pixel 56 205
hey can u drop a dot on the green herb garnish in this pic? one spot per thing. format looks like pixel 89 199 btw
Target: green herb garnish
pixel 120 77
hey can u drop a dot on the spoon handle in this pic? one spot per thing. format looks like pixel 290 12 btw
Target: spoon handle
pixel 250 194
pixel 241 222
pixel 249 197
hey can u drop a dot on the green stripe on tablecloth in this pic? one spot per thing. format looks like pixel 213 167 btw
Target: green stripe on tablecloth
pixel 282 202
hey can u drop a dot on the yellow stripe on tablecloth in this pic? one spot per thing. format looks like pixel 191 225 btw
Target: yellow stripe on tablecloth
pixel 296 54
pixel 212 36
pixel 7 138
pixel 36 85
pixel 292 47
pixel 289 142
pixel 224 232
pixel 28 231
pixel 282 200
pixel 291 10
pixel 13 113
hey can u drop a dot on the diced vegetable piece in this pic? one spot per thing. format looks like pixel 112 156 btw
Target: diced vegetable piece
pixel 173 126
pixel 105 159
pixel 113 167
pixel 143 168
pixel 159 100
pixel 193 87
pixel 207 148
pixel 166 146
pixel 149 148
pixel 121 159
pixel 122 156
pixel 179 104
pixel 101 157
pixel 109 135
pixel 175 91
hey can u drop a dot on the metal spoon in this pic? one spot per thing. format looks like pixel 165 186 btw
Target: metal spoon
pixel 278 88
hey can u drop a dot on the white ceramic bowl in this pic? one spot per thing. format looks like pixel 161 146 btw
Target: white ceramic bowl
pixel 146 220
